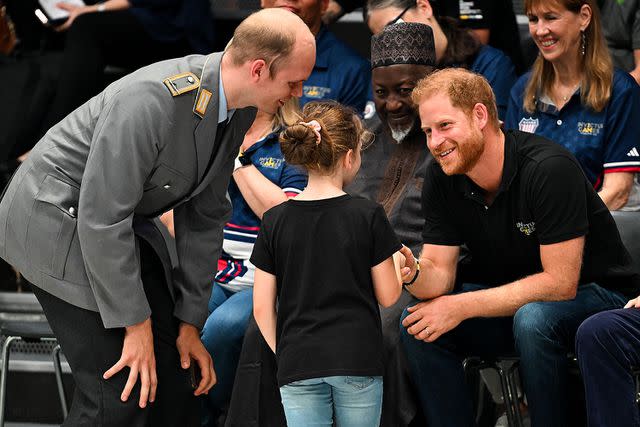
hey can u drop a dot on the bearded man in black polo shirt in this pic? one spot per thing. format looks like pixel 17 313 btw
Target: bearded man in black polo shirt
pixel 545 254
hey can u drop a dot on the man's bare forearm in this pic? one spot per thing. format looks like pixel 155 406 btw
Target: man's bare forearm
pixel 505 300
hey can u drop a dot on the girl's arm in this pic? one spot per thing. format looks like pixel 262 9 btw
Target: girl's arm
pixel 388 277
pixel 264 305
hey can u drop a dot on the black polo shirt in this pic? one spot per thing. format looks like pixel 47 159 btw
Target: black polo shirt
pixel 543 198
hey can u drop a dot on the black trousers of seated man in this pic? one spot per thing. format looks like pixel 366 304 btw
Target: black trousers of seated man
pixel 91 350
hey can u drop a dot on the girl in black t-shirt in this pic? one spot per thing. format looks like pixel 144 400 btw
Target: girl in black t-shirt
pixel 329 259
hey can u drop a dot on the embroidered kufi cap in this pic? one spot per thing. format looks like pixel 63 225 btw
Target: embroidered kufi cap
pixel 403 43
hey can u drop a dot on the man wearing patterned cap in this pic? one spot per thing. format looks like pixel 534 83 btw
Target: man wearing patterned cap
pixel 392 173
pixel 393 167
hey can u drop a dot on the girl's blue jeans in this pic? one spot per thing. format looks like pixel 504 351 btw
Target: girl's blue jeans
pixel 353 401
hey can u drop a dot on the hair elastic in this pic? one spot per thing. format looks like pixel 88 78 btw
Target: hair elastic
pixel 315 127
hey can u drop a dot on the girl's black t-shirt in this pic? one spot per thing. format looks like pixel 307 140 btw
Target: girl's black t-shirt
pixel 321 253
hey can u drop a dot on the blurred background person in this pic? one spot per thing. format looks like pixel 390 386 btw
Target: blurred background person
pixel 122 33
pixel 340 73
pixel 621 28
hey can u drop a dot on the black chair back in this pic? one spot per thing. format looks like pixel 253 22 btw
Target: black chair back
pixel 629 228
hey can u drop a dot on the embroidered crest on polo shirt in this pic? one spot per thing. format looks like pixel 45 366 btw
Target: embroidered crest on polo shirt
pixel 591 129
pixel 633 152
pixel 528 125
pixel 317 92
pixel 270 162
pixel 527 229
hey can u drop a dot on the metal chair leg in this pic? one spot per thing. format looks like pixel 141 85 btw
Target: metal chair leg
pixel 6 348
pixel 513 386
pixel 57 367
pixel 508 402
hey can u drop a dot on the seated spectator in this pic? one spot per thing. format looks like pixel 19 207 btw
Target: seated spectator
pixel 491 22
pixel 607 347
pixel 545 254
pixel 401 56
pixel 392 174
pixel 455 46
pixel 574 97
pixel 393 167
pixel 126 33
pixel 340 73
pixel 621 28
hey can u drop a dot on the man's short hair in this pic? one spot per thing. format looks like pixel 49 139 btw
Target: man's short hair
pixel 464 88
pixel 258 37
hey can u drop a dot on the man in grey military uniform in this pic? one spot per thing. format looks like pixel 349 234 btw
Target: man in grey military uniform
pixel 164 137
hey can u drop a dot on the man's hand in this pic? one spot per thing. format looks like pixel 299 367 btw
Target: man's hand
pixel 634 303
pixel 138 355
pixel 190 347
pixel 430 319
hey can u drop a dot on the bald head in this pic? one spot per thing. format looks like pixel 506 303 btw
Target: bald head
pixel 269 34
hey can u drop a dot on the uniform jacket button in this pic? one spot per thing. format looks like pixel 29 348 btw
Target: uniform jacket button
pixel 72 211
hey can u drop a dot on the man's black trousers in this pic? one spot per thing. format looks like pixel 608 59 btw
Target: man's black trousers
pixel 91 350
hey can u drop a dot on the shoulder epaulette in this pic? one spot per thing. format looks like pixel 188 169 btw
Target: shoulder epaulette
pixel 181 83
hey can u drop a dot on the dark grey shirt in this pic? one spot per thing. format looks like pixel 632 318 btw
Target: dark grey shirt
pixel 621 26
pixel 392 175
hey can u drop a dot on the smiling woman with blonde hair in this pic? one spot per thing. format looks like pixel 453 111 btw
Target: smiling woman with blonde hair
pixel 573 96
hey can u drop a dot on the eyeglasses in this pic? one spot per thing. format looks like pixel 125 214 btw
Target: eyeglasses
pixel 399 17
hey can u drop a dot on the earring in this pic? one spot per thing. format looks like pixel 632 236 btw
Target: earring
pixel 583 43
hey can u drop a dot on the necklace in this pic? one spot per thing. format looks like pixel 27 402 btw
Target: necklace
pixel 570 93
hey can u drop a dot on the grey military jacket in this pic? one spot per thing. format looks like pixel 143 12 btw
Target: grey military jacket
pixel 141 147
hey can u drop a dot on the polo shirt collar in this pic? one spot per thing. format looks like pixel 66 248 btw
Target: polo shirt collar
pixel 545 104
pixel 509 171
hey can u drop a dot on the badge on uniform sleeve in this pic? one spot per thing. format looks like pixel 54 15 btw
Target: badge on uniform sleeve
pixel 181 83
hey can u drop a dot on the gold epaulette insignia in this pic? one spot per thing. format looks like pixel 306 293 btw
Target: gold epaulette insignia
pixel 181 83
pixel 201 104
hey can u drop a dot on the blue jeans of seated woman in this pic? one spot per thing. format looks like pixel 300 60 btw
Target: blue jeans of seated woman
pixel 540 333
pixel 352 401
pixel 222 336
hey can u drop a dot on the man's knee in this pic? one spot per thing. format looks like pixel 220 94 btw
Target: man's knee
pixel 534 324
